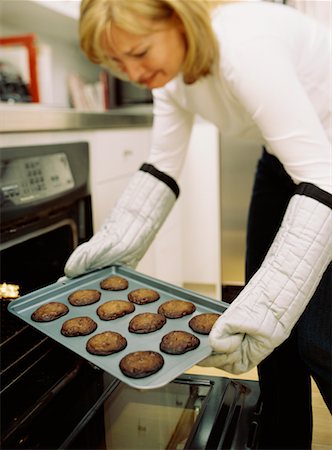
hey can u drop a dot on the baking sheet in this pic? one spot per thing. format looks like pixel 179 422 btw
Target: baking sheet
pixel 174 365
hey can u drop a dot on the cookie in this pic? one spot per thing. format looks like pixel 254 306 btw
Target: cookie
pixel 78 326
pixel 106 343
pixel 49 311
pixel 203 323
pixel 141 364
pixel 146 323
pixel 114 283
pixel 143 296
pixel 178 342
pixel 114 309
pixel 174 309
pixel 84 297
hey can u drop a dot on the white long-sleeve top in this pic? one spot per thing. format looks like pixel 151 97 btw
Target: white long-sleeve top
pixel 272 84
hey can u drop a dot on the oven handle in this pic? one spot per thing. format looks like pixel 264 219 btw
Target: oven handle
pixel 45 230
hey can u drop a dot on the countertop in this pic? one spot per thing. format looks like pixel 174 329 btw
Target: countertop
pixel 24 118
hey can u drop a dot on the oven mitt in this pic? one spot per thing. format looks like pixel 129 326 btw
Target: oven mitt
pixel 267 309
pixel 131 226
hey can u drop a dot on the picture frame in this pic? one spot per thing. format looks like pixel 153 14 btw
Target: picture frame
pixel 21 51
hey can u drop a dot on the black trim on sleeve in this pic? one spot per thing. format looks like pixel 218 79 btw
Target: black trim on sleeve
pixel 162 176
pixel 310 190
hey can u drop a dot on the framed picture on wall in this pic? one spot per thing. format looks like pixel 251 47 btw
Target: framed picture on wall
pixel 18 69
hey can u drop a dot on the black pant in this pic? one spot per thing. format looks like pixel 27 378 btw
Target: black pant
pixel 285 374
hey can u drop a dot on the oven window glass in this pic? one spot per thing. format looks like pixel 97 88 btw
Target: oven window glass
pixel 156 419
pixel 150 419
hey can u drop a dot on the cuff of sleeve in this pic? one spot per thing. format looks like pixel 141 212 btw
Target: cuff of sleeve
pixel 310 190
pixel 162 176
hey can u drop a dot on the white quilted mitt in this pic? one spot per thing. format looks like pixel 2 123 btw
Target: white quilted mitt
pixel 265 312
pixel 132 225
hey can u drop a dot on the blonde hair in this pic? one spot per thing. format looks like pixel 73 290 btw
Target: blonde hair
pixel 97 17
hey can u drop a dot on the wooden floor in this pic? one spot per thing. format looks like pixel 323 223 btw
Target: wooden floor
pixel 322 437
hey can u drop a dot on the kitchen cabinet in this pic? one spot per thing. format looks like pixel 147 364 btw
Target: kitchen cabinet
pixel 115 156
pixel 201 206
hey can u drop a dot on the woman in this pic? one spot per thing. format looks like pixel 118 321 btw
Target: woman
pixel 256 70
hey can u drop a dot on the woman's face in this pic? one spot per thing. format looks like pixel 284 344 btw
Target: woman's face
pixel 151 59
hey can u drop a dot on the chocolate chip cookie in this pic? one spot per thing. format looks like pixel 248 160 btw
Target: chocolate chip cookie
pixel 78 326
pixel 49 311
pixel 174 309
pixel 106 343
pixel 146 323
pixel 114 283
pixel 203 323
pixel 114 309
pixel 84 297
pixel 141 364
pixel 143 296
pixel 178 342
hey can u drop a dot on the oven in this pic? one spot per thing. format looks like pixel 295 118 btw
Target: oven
pixel 51 398
pixel 45 214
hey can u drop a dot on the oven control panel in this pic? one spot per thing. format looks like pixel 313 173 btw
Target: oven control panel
pixel 26 180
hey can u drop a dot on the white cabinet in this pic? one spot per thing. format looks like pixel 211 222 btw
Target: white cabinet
pixel 200 204
pixel 164 258
pixel 115 156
